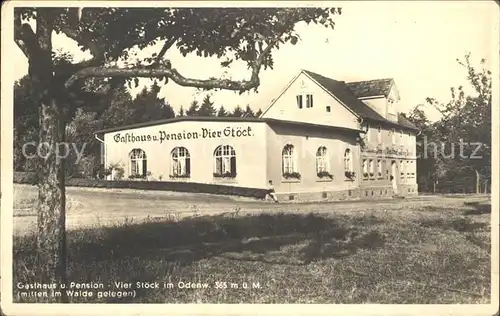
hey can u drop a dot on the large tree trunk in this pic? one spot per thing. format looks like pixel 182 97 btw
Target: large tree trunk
pixel 51 241
pixel 51 197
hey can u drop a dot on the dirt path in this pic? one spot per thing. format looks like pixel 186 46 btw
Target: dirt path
pixel 90 207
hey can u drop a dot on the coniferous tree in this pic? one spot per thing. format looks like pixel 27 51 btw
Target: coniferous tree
pixel 248 112
pixel 258 113
pixel 181 112
pixel 207 107
pixel 222 112
pixel 237 112
pixel 193 109
pixel 149 106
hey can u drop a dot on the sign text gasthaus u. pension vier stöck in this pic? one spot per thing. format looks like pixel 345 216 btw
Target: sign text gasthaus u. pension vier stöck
pixel 162 136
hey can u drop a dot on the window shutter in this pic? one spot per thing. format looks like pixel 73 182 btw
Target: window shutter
pixel 216 165
pixel 233 166
pixel 144 167
pixel 188 166
pixel 299 101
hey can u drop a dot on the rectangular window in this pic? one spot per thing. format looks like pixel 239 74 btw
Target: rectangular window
pixel 299 101
pixel 347 161
pixel 393 134
pixel 379 168
pixel 134 167
pixel 288 160
pixel 379 135
pixel 309 100
pixel 372 168
pixel 328 109
pixel 288 165
pixel 368 138
pixel 365 169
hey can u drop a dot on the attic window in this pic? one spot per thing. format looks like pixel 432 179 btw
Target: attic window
pixel 309 100
pixel 328 109
pixel 299 101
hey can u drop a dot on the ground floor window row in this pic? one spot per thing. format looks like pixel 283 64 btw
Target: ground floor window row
pixel 290 168
pixel 407 169
pixel 224 163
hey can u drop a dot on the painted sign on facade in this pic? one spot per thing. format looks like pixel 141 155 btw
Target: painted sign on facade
pixel 162 135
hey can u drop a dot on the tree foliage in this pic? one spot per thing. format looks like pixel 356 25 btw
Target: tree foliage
pixel 463 132
pixel 207 107
pixel 114 36
pixel 248 112
pixel 222 112
pixel 148 106
pixel 181 112
pixel 237 112
pixel 193 109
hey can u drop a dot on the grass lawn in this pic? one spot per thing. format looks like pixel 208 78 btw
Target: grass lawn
pixel 414 251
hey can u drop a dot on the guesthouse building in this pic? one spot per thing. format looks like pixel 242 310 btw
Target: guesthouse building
pixel 319 139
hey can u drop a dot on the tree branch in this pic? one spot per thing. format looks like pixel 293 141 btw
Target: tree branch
pixel 159 70
pixel 25 37
pixel 162 71
pixel 80 38
pixel 164 49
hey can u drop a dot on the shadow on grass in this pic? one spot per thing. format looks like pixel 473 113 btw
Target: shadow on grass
pixel 193 239
pixel 262 236
pixel 462 225
pixel 478 208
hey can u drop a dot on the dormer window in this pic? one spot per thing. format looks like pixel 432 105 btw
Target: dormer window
pixel 390 106
pixel 299 101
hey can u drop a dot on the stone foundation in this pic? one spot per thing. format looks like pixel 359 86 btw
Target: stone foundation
pixel 362 193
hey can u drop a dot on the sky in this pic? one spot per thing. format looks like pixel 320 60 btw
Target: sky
pixel 416 43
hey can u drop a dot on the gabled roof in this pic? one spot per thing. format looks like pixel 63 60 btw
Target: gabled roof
pixel 371 88
pixel 405 122
pixel 341 90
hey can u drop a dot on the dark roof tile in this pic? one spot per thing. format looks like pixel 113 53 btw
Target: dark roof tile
pixel 342 91
pixel 370 88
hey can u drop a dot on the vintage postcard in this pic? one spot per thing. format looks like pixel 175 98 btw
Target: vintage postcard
pixel 250 158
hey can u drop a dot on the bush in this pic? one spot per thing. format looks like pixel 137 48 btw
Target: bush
pixel 30 178
pixel 25 177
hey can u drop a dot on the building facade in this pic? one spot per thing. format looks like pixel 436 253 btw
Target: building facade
pixel 319 139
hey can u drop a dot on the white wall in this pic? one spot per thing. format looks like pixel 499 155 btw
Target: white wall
pixel 377 104
pixel 285 107
pixel 306 143
pixel 250 151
